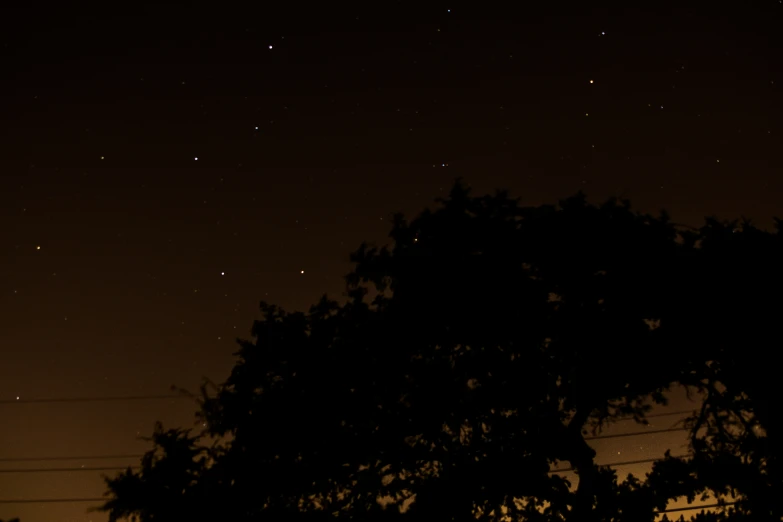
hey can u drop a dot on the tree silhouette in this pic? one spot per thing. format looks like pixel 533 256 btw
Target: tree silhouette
pixel 498 338
pixel 736 285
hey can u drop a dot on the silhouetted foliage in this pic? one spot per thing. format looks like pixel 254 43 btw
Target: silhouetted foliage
pixel 735 290
pixel 500 336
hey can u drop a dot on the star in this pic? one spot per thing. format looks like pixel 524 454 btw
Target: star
pixel 195 159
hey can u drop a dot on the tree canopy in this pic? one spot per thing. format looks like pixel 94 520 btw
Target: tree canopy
pixel 497 338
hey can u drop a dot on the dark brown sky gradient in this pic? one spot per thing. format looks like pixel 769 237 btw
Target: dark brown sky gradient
pixel 304 150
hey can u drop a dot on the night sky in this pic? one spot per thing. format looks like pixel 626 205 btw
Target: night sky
pixel 164 168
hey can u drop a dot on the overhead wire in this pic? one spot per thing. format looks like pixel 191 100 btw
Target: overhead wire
pixel 635 433
pixel 76 500
pixel 55 470
pixel 655 415
pixel 139 455
pixel 82 457
pixel 49 500
pixel 119 468
pixel 618 464
pixel 98 499
pixel 94 399
pixel 691 508
pixel 163 397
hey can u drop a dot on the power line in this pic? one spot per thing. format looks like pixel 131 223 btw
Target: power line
pixel 93 399
pixel 169 396
pixel 702 506
pixel 53 400
pixel 635 433
pixel 71 500
pixel 65 500
pixel 117 468
pixel 49 500
pixel 184 396
pixel 89 457
pixel 138 456
pixel 654 415
pixel 55 470
pixel 615 464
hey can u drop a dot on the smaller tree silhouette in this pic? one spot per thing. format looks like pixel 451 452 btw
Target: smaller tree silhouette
pixel 734 290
